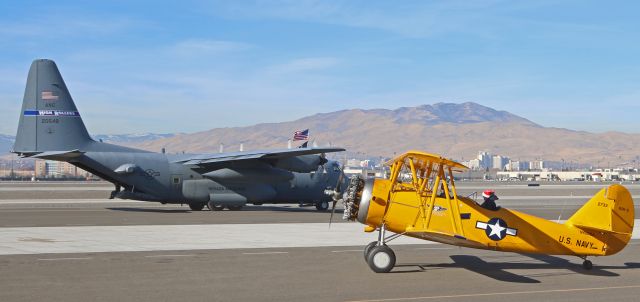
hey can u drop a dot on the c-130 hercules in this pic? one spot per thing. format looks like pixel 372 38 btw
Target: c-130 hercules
pixel 51 128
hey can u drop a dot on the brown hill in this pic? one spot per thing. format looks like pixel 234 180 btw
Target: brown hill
pixel 455 130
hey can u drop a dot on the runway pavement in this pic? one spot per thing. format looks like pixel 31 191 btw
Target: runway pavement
pixel 60 242
pixel 424 273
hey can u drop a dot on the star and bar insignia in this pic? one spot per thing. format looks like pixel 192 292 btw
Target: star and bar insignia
pixel 496 229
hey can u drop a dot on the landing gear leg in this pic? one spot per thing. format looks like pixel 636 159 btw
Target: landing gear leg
pixel 115 192
pixel 379 256
pixel 587 264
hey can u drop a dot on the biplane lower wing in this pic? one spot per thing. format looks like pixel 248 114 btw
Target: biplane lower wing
pixel 445 238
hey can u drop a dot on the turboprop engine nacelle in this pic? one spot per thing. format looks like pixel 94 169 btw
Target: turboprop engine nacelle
pixel 250 175
pixel 302 163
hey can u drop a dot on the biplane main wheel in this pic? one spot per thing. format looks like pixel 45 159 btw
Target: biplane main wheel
pixel 587 265
pixel 214 207
pixel 196 206
pixel 322 206
pixel 381 259
pixel 367 249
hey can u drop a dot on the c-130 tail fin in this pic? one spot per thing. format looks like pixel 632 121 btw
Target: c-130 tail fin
pixel 49 120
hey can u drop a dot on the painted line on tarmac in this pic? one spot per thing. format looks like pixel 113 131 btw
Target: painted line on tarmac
pixel 175 255
pixel 501 294
pixel 266 253
pixel 434 248
pixel 64 259
pixel 347 251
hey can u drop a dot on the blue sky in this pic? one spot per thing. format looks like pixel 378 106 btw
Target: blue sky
pixel 194 65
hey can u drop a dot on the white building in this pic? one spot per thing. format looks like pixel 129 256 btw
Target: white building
pixel 537 165
pixel 562 175
pixel 473 164
pixel 500 162
pixel 517 166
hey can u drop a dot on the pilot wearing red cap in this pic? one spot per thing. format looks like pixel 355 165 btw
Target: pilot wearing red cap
pixel 490 200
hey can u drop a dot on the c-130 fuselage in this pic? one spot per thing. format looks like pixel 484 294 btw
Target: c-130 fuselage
pixel 51 128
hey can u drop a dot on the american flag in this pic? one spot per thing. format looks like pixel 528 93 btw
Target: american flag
pixel 301 135
pixel 48 96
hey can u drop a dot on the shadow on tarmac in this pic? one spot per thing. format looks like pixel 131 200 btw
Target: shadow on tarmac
pixel 244 209
pixel 497 270
pixel 150 210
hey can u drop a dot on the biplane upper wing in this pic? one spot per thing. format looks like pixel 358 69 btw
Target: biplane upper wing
pixel 428 157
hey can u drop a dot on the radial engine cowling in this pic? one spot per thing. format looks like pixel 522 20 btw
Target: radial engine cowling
pixel 360 202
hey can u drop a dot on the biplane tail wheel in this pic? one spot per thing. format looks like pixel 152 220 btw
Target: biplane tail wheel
pixel 587 265
pixel 367 249
pixel 381 259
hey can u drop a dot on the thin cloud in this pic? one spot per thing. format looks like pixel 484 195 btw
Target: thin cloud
pixel 304 65
pixel 53 27
pixel 203 47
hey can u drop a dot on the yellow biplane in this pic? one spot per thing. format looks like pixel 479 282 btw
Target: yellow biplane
pixel 419 199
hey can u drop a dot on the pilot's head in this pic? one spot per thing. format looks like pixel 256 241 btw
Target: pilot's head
pixel 487 194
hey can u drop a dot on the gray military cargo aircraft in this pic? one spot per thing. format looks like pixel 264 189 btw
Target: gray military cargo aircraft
pixel 50 127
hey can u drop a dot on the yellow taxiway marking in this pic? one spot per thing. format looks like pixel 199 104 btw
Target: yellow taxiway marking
pixel 500 294
pixel 62 259
pixel 265 253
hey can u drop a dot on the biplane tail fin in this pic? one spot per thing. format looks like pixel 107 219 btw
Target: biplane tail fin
pixel 610 213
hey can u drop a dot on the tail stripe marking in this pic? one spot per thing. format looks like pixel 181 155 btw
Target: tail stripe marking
pixel 51 113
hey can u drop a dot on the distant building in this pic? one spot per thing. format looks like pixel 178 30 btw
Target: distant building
pixel 353 162
pixel 500 162
pixel 473 164
pixel 537 165
pixel 566 175
pixel 486 159
pixel 58 169
pixel 517 166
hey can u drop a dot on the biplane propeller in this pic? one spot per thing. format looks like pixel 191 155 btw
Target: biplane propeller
pixel 419 200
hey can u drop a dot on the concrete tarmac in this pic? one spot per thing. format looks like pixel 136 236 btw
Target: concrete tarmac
pixel 51 219
pixel 24 204
pixel 423 273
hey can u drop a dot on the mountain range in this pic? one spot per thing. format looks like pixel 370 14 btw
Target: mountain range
pixel 456 131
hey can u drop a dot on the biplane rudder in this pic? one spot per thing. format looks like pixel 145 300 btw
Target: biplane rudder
pixel 610 213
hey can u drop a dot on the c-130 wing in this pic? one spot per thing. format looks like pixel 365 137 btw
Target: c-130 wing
pixel 217 160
